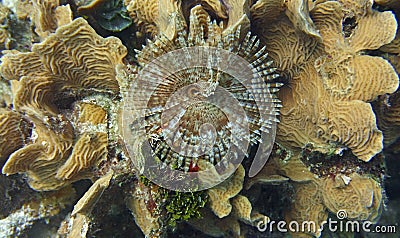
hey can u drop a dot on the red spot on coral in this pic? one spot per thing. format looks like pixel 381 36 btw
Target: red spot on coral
pixel 151 205
pixel 193 167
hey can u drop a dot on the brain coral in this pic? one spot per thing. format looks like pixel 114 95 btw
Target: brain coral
pixel 360 196
pixel 47 16
pixel 308 206
pixel 62 147
pixel 222 193
pixel 14 133
pixel 151 19
pixel 388 106
pixel 388 111
pixel 332 81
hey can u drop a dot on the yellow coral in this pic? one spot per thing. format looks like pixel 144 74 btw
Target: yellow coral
pixel 41 159
pixel 74 57
pixel 325 101
pixel 243 210
pixel 151 19
pixel 4 32
pixel 308 206
pixel 91 147
pixel 48 16
pixel 88 151
pixel 221 194
pixel 34 96
pixel 144 13
pixel 14 133
pixel 24 9
pixel 361 198
pixel 294 169
pixel 289 48
pixel 266 11
pixel 229 226
pixel 92 113
pixel 310 114
pixel 298 13
pixel 356 8
pixel 235 11
pixel 86 203
pixel 388 107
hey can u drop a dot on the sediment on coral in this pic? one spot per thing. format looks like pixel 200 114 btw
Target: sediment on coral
pixel 38 208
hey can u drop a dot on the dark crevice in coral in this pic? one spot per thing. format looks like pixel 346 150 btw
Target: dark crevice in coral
pixel 348 26
pixel 392 181
pixel 14 193
pixel 103 23
pixel 66 101
pixel 268 199
pixel 81 187
pixel 111 217
pixel 184 230
pixel 344 163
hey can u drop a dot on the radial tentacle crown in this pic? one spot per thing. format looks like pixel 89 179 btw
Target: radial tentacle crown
pixel 203 95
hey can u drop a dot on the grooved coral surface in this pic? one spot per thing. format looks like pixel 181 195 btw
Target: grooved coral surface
pixel 310 114
pixel 154 17
pixel 243 210
pixel 308 206
pixel 388 113
pixel 92 113
pixel 221 194
pixel 331 80
pixel 48 16
pixel 361 198
pixel 75 56
pixel 88 151
pixel 14 133
pixel 41 159
pixel 144 13
pixel 61 149
pixel 91 147
pixel 289 48
pixel 34 96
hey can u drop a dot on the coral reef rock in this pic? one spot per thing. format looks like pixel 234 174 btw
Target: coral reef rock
pixel 331 81
pixel 73 59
